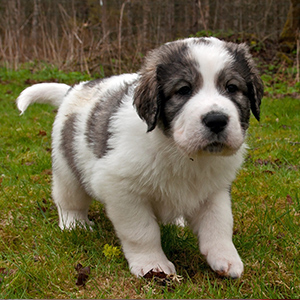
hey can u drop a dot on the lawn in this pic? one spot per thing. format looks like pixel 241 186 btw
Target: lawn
pixel 38 260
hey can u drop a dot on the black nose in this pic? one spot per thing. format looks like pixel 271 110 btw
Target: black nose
pixel 216 122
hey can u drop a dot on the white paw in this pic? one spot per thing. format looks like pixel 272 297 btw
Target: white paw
pixel 225 261
pixel 141 267
pixel 72 224
pixel 70 219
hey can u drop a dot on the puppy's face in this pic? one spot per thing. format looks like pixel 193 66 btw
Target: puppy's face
pixel 200 93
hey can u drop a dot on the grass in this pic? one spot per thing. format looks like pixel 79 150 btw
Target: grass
pixel 37 260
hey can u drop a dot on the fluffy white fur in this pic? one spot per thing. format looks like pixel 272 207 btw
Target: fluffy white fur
pixel 149 177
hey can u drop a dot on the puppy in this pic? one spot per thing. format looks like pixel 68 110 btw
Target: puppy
pixel 155 146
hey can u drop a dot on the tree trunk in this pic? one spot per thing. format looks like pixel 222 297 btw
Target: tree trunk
pixel 288 36
pixel 35 16
pixel 146 16
pixel 203 7
pixel 105 32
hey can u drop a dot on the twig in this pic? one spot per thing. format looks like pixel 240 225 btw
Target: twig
pixel 297 56
pixel 120 32
pixel 204 23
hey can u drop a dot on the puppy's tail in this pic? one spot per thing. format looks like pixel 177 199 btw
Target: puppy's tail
pixel 51 93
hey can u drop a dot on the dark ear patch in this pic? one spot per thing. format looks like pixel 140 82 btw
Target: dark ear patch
pixel 256 90
pixel 245 65
pixel 254 83
pixel 146 98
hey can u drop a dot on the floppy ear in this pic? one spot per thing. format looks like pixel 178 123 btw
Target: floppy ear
pixel 255 84
pixel 256 91
pixel 248 70
pixel 146 97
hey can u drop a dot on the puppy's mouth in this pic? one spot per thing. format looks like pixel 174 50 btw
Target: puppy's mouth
pixel 215 147
pixel 218 148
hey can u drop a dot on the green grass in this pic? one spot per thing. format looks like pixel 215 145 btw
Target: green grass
pixel 37 259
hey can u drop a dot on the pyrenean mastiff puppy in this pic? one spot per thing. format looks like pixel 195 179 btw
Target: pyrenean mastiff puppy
pixel 157 146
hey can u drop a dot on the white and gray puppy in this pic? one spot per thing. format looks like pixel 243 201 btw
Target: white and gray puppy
pixel 155 146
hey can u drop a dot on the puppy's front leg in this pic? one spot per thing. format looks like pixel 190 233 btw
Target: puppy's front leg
pixel 139 233
pixel 213 224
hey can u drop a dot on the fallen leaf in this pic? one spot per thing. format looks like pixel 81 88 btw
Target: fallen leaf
pixel 6 271
pixel 42 133
pixel 261 162
pixel 289 199
pixel 30 81
pixel 280 235
pixel 36 258
pixel 236 231
pixel 277 161
pixel 83 274
pixel 47 172
pixel 268 172
pixel 162 279
pixel 42 208
pixel 152 274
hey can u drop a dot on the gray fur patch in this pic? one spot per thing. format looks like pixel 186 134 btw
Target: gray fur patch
pixel 199 41
pixel 245 66
pixel 97 127
pixel 177 82
pixel 67 145
pixel 94 82
pixel 229 76
pixel 166 70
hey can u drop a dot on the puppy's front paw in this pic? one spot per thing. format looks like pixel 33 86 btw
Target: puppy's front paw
pixel 72 224
pixel 70 219
pixel 225 261
pixel 143 265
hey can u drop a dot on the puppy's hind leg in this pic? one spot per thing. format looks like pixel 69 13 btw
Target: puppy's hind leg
pixel 72 202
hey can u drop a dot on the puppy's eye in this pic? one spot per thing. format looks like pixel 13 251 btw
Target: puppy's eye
pixel 184 91
pixel 231 88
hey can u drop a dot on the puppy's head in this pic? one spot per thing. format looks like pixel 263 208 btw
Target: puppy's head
pixel 200 92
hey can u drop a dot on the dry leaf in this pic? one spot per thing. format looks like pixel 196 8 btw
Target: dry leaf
pixel 42 133
pixel 6 272
pixel 152 274
pixel 83 274
pixel 169 280
pixel 289 199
